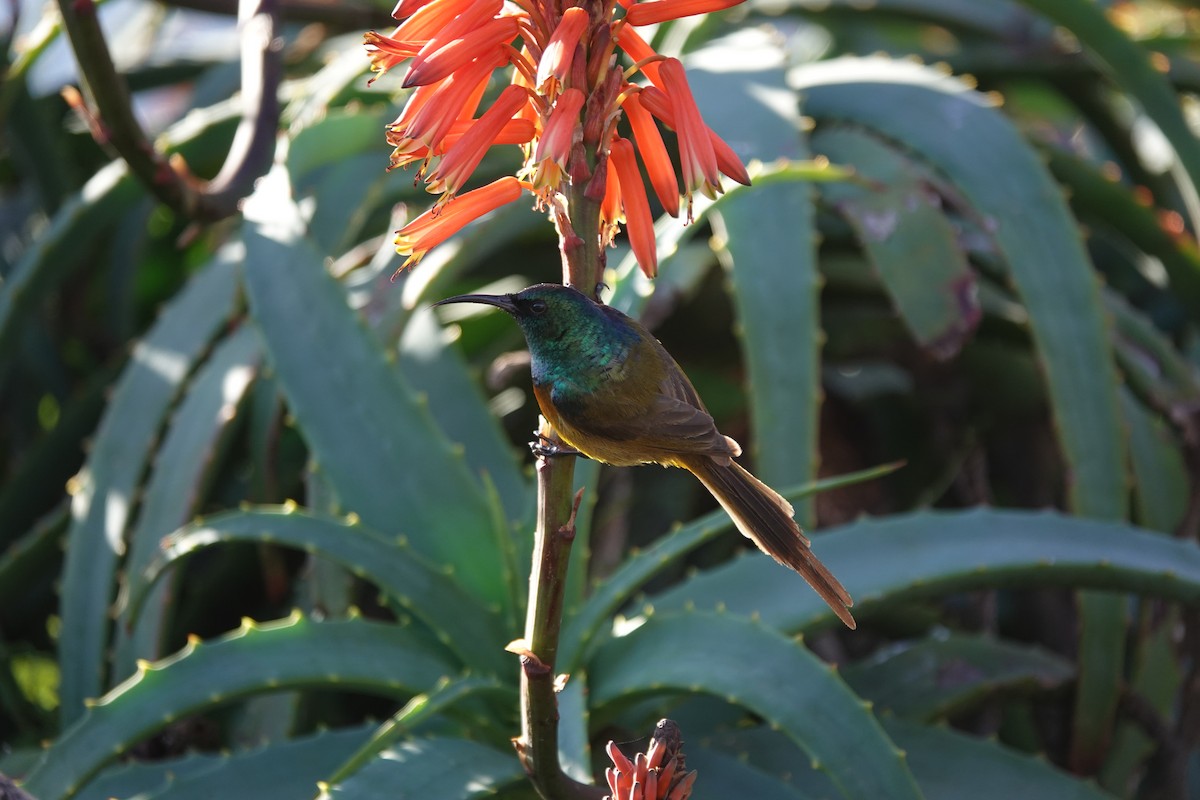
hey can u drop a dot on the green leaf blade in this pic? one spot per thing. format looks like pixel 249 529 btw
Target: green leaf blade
pixel 931 552
pixel 354 655
pixel 468 629
pixel 124 443
pixel 373 437
pixel 769 675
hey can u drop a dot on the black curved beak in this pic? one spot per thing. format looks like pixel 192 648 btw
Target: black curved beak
pixel 503 301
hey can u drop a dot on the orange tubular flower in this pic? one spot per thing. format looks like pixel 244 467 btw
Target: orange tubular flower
pixel 610 207
pixel 406 8
pixel 448 102
pixel 475 16
pixel 560 50
pixel 563 107
pixel 408 39
pixel 654 11
pixel 654 155
pixel 640 51
pixel 462 159
pixel 696 156
pixel 554 146
pixel 514 131
pixel 441 222
pixel 658 104
pixel 430 18
pixel 637 209
pixel 386 53
pixel 431 66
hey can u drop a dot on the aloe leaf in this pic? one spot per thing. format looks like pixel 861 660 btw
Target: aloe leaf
pixel 1129 66
pixel 374 439
pixel 1161 484
pixel 950 766
pixel 1157 372
pixel 767 242
pixel 293 653
pixel 28 493
pixel 897 218
pixel 773 752
pixel 338 135
pixel 721 776
pixel 419 709
pixel 343 194
pixel 32 557
pixel 942 676
pixel 56 251
pixel 619 588
pixel 780 680
pixel 987 18
pixel 470 631
pixel 1107 201
pixel 430 365
pixel 928 553
pixel 1003 179
pixel 183 468
pixel 104 491
pixel 1157 677
pixel 574 726
pixel 447 769
pixel 1103 629
pixel 280 769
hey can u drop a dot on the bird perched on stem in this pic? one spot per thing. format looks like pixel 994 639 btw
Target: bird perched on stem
pixel 613 393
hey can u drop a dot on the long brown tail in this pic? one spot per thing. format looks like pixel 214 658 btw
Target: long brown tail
pixel 766 519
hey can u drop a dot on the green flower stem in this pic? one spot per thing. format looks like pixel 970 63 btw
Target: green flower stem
pixel 537 745
pixel 253 147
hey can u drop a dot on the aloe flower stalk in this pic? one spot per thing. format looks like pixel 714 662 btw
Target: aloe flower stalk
pixel 567 94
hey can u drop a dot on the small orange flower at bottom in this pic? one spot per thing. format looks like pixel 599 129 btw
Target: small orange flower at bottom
pixel 658 774
pixel 440 223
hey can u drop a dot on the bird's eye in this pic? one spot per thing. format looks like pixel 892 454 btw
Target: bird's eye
pixel 537 306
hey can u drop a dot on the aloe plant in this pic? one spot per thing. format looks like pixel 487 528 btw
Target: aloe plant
pixel 298 521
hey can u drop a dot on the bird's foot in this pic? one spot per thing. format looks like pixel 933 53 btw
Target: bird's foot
pixel 543 447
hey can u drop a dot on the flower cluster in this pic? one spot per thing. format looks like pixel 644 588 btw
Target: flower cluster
pixel 657 774
pixel 563 104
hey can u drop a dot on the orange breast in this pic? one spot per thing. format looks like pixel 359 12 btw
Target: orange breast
pixel 599 448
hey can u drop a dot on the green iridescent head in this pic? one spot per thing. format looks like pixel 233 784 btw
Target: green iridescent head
pixel 564 328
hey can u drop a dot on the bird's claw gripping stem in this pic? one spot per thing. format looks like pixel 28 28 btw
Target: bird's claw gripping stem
pixel 543 447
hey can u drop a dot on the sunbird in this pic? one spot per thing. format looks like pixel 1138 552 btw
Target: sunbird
pixel 613 393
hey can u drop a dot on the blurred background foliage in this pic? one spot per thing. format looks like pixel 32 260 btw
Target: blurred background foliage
pixel 970 247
